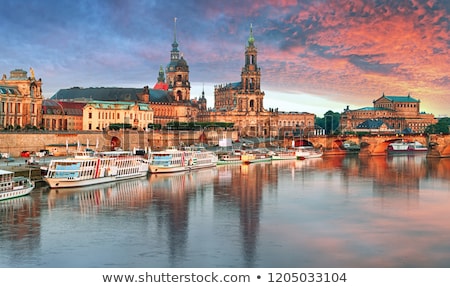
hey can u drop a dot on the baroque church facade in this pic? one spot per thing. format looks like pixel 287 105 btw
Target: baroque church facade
pixel 168 101
pixel 242 103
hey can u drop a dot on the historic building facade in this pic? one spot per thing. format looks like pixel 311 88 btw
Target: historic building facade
pixel 99 115
pixel 62 115
pixel 400 113
pixel 169 100
pixel 243 104
pixel 95 115
pixel 20 100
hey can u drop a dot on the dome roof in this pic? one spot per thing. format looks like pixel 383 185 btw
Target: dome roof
pixel 182 63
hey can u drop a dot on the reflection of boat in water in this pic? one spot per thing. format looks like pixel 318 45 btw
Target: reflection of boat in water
pixel 13 187
pixel 180 183
pixel 15 211
pixel 176 160
pixel 114 194
pixel 406 147
pixel 90 169
pixel 15 203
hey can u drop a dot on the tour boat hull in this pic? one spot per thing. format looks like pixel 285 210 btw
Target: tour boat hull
pixel 70 183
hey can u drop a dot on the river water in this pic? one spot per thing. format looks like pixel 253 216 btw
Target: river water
pixel 331 212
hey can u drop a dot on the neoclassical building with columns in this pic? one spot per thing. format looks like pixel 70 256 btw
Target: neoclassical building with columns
pixel 400 113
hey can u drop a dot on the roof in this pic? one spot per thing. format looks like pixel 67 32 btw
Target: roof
pixel 408 99
pixel 234 85
pixel 373 109
pixel 371 124
pixel 9 90
pixel 50 106
pixel 161 86
pixel 118 105
pixel 110 94
pixel 4 172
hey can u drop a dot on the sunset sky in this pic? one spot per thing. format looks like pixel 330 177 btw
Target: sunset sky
pixel 314 56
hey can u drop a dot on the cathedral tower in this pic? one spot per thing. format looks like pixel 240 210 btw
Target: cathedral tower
pixel 250 95
pixel 177 72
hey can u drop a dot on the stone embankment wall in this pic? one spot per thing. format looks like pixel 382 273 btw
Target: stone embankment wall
pixel 16 142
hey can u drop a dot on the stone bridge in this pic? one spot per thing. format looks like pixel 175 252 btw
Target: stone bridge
pixel 372 145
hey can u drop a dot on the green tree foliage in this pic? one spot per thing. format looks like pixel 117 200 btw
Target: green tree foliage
pixel 441 127
pixel 198 125
pixel 118 126
pixel 330 122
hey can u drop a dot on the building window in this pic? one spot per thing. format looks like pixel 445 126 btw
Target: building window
pixel 90 115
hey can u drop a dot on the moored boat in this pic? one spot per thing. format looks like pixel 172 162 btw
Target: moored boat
pixel 95 168
pixel 406 147
pixel 14 186
pixel 307 152
pixel 229 158
pixel 255 157
pixel 174 160
pixel 284 155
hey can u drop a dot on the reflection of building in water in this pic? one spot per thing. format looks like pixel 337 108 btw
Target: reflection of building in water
pixel 438 168
pixel 395 176
pixel 122 194
pixel 20 215
pixel 172 194
pixel 240 187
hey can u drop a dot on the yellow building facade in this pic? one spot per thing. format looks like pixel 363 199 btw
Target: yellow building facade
pixel 99 115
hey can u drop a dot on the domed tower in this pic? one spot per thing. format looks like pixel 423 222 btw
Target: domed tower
pixel 177 72
pixel 161 84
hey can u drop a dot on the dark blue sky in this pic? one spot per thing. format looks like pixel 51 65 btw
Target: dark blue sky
pixel 314 55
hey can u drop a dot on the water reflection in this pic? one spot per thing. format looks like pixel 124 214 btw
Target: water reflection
pixel 119 195
pixel 331 212
pixel 173 196
pixel 19 227
pixel 238 194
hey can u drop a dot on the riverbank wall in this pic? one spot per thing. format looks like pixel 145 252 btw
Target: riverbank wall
pixel 61 142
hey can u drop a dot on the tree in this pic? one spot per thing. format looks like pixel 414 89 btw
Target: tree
pixel 330 122
pixel 441 127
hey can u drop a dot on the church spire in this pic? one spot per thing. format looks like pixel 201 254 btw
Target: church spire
pixel 174 54
pixel 161 77
pixel 175 30
pixel 251 39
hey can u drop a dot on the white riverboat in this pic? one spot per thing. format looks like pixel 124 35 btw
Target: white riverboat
pixel 178 160
pixel 288 154
pixel 14 186
pixel 95 168
pixel 406 147
pixel 307 152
